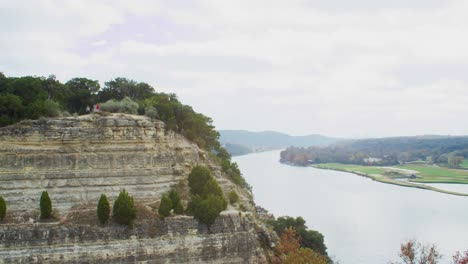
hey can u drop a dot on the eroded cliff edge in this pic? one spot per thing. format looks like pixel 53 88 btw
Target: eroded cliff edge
pixel 76 159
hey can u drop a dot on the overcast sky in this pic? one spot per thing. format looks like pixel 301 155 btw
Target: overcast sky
pixel 361 68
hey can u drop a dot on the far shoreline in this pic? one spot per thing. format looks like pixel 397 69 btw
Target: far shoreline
pixel 393 182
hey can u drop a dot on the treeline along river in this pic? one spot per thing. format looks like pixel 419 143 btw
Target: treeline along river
pixel 363 221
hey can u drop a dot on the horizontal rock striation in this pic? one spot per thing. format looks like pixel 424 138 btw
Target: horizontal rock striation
pixel 77 158
pixel 231 239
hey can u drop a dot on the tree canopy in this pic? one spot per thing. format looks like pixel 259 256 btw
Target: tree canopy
pixel 308 238
pixel 289 251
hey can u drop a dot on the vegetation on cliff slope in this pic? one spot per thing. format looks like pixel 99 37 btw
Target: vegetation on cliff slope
pixel 290 251
pixel 124 211
pixel 176 202
pixel 45 205
pixel 3 208
pixel 32 97
pixel 207 196
pixel 103 209
pixel 308 238
pixel 165 207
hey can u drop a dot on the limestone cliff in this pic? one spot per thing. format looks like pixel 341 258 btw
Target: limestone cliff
pixel 76 159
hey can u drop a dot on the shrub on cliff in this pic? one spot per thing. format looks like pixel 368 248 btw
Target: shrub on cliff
pixel 124 211
pixel 3 208
pixel 103 209
pixel 208 199
pixel 233 197
pixel 45 205
pixel 165 207
pixel 176 202
pixel 202 183
pixel 206 209
pixel 126 105
pixel 152 112
pixel 197 179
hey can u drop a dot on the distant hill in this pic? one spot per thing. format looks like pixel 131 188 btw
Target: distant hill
pixel 239 142
pixel 449 150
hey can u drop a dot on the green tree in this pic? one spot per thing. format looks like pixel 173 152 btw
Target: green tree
pixel 84 84
pixel 176 202
pixel 120 88
pixel 165 207
pixel 82 93
pixel 45 205
pixel 198 179
pixel 11 109
pixel 103 209
pixel 208 199
pixel 206 210
pixel 3 208
pixel 183 119
pixel 308 238
pixel 233 197
pixel 124 211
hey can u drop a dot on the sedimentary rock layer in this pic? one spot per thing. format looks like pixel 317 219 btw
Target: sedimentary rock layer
pixel 231 239
pixel 77 158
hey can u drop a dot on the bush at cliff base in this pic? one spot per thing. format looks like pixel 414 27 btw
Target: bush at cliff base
pixel 3 208
pixel 176 202
pixel 103 209
pixel 45 205
pixel 206 210
pixel 124 211
pixel 165 207
pixel 208 199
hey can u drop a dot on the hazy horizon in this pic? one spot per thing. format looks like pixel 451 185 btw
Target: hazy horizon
pixel 355 69
pixel 344 137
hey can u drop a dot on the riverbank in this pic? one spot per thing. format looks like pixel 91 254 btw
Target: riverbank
pixel 384 179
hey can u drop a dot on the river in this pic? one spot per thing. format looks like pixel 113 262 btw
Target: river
pixel 363 221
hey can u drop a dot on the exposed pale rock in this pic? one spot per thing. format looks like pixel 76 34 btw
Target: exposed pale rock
pixel 231 239
pixel 76 159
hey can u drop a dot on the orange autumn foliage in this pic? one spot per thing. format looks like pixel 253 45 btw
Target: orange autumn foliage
pixel 290 252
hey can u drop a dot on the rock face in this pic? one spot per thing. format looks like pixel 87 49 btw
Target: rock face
pixel 76 159
pixel 231 239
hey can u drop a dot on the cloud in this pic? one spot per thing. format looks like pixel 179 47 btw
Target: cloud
pixel 301 67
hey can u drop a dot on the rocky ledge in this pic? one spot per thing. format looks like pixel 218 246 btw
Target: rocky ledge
pixel 76 159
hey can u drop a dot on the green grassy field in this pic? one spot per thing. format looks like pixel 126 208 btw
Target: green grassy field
pixel 424 174
pixel 464 164
pixel 434 174
pixel 353 168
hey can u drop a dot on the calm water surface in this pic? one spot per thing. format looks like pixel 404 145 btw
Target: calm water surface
pixel 363 221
